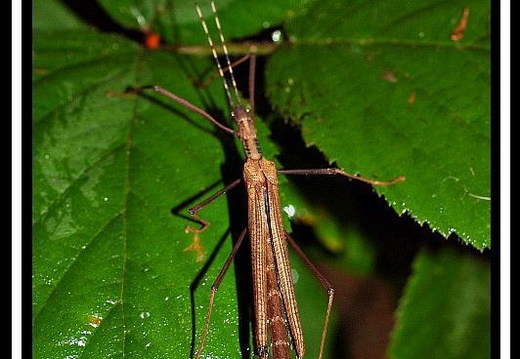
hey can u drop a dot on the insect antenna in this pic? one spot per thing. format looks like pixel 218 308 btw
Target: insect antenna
pixel 232 103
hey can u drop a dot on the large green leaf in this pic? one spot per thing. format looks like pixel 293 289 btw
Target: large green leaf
pixel 115 171
pixel 383 91
pixel 106 178
pixel 454 289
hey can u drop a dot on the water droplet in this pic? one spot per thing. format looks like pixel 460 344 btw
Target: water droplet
pixel 82 341
pixel 276 36
pixel 290 210
pixel 144 315
pixel 421 34
pixel 295 275
pixel 47 280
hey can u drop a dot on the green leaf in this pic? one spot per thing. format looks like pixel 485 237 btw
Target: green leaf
pixel 45 14
pixel 178 22
pixel 381 89
pixel 114 172
pixel 110 276
pixel 444 312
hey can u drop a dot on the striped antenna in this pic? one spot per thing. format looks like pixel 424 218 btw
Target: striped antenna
pixel 215 56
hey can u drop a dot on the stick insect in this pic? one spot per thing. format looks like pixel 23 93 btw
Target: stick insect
pixel 277 329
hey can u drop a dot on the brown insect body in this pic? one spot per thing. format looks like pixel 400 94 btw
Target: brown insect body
pixel 276 313
pixel 273 289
